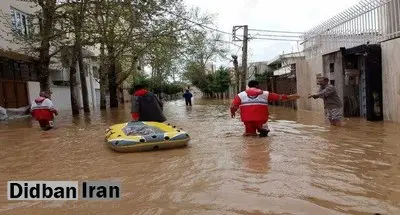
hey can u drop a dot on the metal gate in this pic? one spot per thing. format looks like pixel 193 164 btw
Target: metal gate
pixel 13 94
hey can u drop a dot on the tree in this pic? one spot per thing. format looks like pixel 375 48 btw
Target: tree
pixel 222 80
pixel 75 16
pixel 201 50
pixel 130 28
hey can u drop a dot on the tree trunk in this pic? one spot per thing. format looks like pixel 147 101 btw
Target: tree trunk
pixel 46 29
pixel 84 87
pixel 44 72
pixel 72 80
pixel 103 78
pixel 112 77
pixel 121 92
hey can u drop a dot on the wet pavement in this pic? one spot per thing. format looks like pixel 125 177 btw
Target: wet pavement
pixel 304 167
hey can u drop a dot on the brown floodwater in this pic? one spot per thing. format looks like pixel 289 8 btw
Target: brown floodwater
pixel 304 167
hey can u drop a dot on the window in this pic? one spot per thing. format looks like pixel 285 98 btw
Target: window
pixel 293 68
pixel 331 67
pixel 20 22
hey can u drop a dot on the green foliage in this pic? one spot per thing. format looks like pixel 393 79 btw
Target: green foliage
pixel 222 80
pixel 217 82
pixel 162 87
pixel 201 49
pixel 172 88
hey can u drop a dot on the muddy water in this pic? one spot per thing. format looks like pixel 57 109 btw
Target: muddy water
pixel 304 167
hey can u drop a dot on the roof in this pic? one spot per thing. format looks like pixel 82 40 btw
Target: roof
pixel 282 71
pixel 279 58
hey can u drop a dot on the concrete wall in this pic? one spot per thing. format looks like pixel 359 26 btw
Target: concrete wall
pixel 303 77
pixel 33 90
pixel 391 79
pixel 314 67
pixel 61 97
pixel 336 59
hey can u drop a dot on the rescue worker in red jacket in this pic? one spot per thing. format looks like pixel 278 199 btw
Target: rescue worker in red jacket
pixel 43 110
pixel 253 104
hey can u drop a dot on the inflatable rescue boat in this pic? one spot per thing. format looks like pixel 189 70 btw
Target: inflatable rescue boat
pixel 145 136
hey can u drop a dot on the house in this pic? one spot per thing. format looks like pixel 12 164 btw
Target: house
pixel 18 70
pixel 256 68
pixel 360 58
pixel 285 69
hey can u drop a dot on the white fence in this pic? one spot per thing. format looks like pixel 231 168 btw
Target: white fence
pixel 369 21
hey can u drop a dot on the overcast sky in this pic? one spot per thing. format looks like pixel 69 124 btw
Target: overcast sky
pixel 283 15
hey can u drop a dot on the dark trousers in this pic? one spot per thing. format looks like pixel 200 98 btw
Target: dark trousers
pixel 188 102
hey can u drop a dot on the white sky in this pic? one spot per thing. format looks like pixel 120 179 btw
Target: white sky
pixel 283 15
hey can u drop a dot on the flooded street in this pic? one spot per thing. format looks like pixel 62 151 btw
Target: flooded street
pixel 304 167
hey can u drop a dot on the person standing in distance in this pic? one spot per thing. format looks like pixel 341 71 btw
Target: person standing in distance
pixel 188 98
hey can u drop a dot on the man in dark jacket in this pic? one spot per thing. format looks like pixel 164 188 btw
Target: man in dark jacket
pixel 146 106
pixel 188 98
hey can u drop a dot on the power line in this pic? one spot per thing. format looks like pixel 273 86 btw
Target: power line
pixel 196 23
pixel 224 41
pixel 274 35
pixel 259 38
pixel 289 32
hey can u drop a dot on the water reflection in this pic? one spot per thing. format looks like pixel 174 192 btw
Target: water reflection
pixel 256 155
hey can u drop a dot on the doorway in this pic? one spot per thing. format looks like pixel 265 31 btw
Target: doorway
pixel 363 82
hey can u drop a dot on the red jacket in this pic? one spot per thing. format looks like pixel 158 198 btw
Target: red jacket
pixel 41 110
pixel 253 104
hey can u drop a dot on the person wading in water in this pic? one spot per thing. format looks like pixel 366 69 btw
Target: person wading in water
pixel 43 110
pixel 332 102
pixel 253 104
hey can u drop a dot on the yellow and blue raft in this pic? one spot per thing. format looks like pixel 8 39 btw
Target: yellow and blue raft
pixel 145 136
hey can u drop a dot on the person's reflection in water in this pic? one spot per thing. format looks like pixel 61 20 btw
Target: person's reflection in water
pixel 256 155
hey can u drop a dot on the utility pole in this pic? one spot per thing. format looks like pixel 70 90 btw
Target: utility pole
pixel 244 57
pixel 237 73
pixel 244 52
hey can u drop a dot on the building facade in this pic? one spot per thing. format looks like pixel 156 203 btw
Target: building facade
pixel 256 68
pixel 19 84
pixel 358 49
pixel 285 69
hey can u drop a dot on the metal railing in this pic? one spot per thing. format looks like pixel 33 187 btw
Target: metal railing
pixel 369 21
